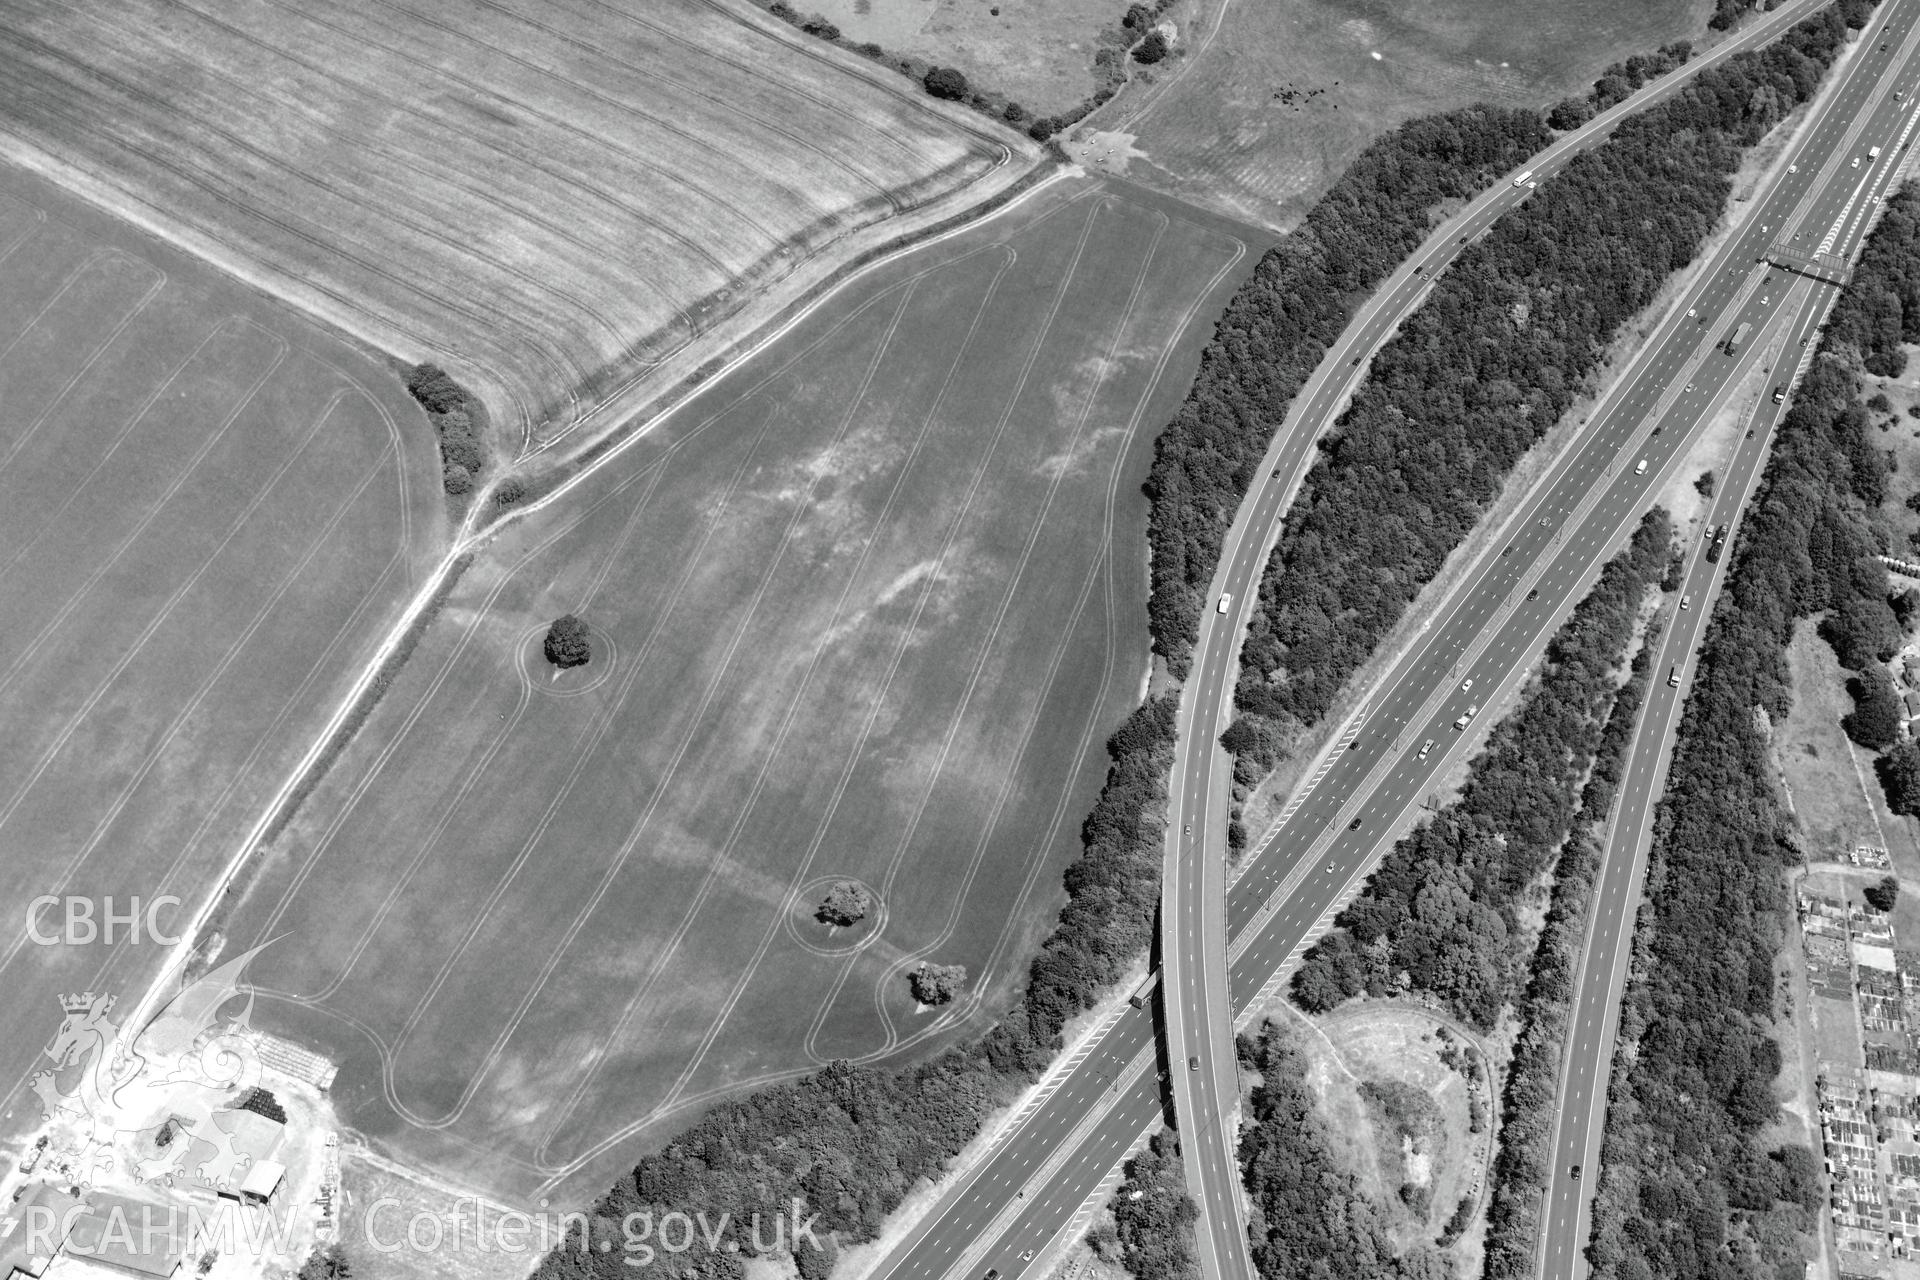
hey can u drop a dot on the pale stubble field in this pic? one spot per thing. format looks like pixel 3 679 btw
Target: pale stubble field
pixel 548 197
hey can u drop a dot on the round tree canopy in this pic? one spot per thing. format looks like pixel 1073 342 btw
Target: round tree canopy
pixel 568 642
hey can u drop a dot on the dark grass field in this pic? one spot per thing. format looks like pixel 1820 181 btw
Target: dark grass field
pixel 866 608
pixel 208 511
pixel 1259 120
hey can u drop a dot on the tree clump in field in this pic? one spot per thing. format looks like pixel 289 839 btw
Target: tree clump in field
pixel 946 82
pixel 569 644
pixel 511 490
pixel 847 903
pixel 435 389
pixel 1882 894
pixel 451 408
pixel 1874 722
pixel 937 983
pixel 1150 50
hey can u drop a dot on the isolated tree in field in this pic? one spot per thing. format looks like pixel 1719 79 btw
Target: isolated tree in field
pixel 1704 485
pixel 946 82
pixel 511 490
pixel 568 642
pixel 847 903
pixel 1150 50
pixel 937 983
pixel 1883 895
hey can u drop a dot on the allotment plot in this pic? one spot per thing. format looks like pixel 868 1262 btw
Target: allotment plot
pixel 863 612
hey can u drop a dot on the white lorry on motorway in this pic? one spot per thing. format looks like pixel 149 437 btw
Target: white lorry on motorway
pixel 1525 175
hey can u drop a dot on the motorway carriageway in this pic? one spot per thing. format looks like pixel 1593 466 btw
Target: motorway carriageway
pixel 1031 1189
pixel 1600 979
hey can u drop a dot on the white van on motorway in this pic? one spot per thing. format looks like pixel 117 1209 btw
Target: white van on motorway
pixel 1226 599
pixel 1641 469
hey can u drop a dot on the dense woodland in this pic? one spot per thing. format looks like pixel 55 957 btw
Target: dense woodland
pixel 1440 913
pixel 1311 1216
pixel 1692 1185
pixel 1510 336
pixel 1281 322
pixel 851 1141
pixel 1155 1230
pixel 1523 1164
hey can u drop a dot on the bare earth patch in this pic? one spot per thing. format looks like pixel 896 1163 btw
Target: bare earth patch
pixel 1399 1113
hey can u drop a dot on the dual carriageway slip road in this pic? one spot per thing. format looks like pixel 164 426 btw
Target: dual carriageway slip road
pixel 1600 978
pixel 1031 1187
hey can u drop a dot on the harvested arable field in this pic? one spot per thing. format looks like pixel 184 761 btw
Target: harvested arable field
pixel 548 197
pixel 863 609
pixel 210 511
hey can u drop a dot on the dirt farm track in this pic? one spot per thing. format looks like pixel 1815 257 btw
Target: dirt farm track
pixel 865 608
pixel 549 197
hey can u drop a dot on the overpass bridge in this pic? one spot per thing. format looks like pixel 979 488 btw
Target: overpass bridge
pixel 1830 267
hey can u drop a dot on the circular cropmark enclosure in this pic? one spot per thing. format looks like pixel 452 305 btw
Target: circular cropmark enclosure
pixel 567 682
pixel 822 939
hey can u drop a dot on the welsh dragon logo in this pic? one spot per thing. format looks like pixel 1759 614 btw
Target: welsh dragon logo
pixel 145 1100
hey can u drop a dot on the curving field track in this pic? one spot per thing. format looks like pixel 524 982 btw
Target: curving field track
pixel 209 513
pixel 865 608
pixel 548 196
